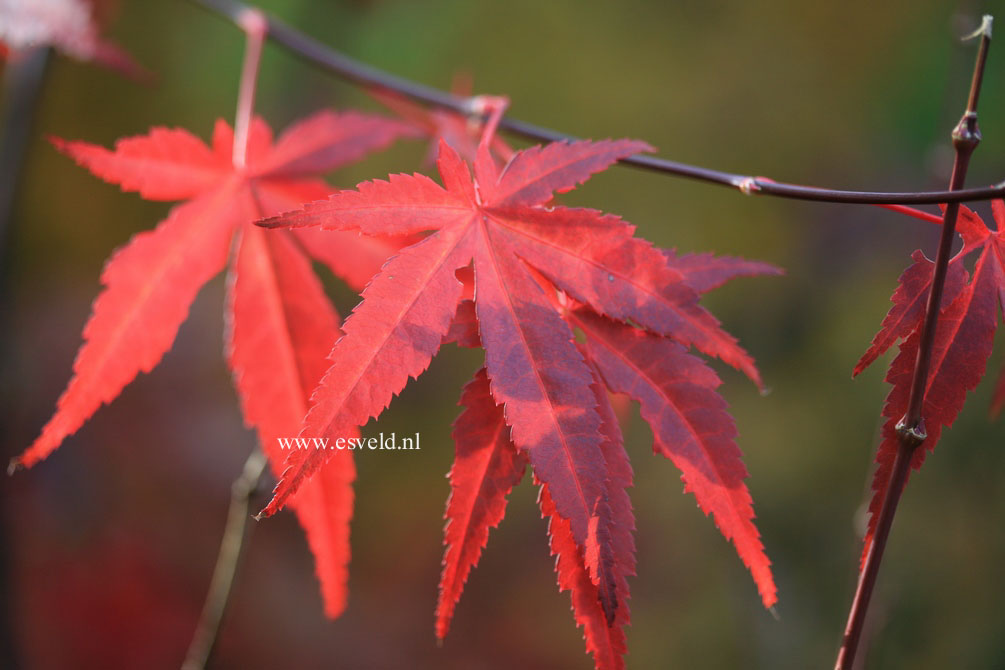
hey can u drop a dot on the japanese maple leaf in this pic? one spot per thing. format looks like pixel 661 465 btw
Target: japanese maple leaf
pixel 280 325
pixel 541 398
pixel 677 394
pixel 968 319
pixel 68 25
pixel 487 466
pixel 692 429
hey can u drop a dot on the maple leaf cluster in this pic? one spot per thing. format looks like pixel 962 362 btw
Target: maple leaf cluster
pixel 968 319
pixel 508 271
pixel 567 304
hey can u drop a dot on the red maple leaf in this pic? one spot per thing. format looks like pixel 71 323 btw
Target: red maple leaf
pixel 538 272
pixel 280 324
pixel 967 323
pixel 486 468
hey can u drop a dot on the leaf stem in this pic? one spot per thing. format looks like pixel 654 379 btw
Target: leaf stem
pixel 915 213
pixel 911 428
pixel 327 58
pixel 255 26
pixel 231 549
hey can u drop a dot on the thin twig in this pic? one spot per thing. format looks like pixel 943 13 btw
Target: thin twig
pixel 911 428
pixel 231 549
pixel 327 58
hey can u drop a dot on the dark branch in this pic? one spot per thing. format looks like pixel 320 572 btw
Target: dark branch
pixel 911 428
pixel 327 58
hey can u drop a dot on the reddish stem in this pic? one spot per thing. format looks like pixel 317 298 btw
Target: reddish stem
pixel 912 212
pixel 256 27
pixel 492 107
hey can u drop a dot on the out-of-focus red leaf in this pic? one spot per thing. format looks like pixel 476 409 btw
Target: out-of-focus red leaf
pixel 280 324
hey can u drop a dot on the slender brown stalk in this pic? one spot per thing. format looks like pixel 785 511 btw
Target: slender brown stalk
pixel 327 58
pixel 231 549
pixel 911 428
pixel 235 533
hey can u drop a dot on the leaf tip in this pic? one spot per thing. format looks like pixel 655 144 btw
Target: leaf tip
pixel 64 146
pixel 646 147
pixel 266 511
pixel 271 222
pixel 14 465
pixel 275 504
pixel 635 146
pixel 443 147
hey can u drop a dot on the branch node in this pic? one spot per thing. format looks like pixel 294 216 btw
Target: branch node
pixel 984 30
pixel 748 186
pixel 966 134
pixel 913 435
pixel 253 21
pixel 481 106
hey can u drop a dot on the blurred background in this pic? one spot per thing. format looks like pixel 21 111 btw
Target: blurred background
pixel 108 545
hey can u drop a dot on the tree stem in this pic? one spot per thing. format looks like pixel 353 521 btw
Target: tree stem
pixel 326 58
pixel 235 534
pixel 911 428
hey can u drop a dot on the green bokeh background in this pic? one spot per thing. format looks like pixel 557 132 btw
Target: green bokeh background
pixel 112 540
